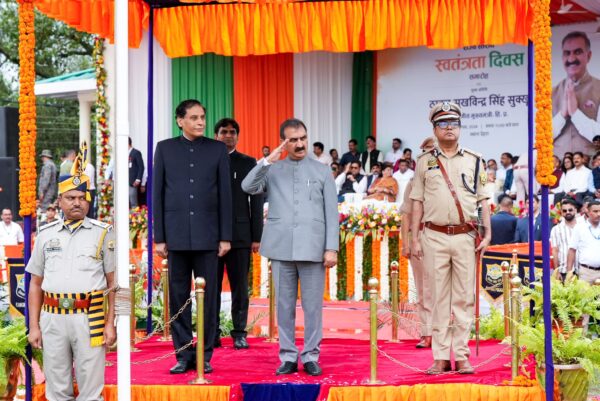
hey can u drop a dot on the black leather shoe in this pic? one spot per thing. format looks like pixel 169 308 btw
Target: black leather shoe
pixel 240 343
pixel 287 368
pixel 313 369
pixel 207 367
pixel 217 343
pixel 182 367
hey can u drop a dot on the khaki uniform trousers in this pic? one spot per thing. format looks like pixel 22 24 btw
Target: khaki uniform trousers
pixel 451 263
pixel 424 294
pixel 66 338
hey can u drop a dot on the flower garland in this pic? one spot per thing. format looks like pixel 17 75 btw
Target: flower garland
pixel 367 271
pixel 376 252
pixel 350 255
pixel 341 272
pixel 543 92
pixel 27 110
pixel 394 251
pixel 403 275
pixel 256 268
pixel 105 195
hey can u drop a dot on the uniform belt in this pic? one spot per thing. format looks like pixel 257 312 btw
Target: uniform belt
pixel 590 267
pixel 67 303
pixel 451 229
pixel 519 167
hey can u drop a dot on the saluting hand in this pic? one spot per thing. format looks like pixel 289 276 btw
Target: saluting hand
pixel 276 154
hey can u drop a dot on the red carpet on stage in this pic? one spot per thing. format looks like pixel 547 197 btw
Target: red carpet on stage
pixel 344 362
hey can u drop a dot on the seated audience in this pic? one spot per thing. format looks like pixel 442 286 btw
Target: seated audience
pixel 385 187
pixel 350 181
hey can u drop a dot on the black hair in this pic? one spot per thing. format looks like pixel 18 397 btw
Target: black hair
pixel 570 201
pixel 356 162
pixel 290 123
pixel 184 106
pixel 319 145
pixel 578 153
pixel 129 139
pixel 397 139
pixel 407 150
pixel 354 141
pixel 576 35
pixel 507 154
pixel 225 122
pixel 371 137
pixel 332 150
pixel 501 197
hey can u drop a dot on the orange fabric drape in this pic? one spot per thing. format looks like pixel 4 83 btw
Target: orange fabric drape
pixel 97 16
pixel 155 392
pixel 340 26
pixel 448 391
pixel 264 98
pixel 282 26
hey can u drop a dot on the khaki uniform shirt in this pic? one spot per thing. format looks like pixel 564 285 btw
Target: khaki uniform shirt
pixel 429 186
pixel 73 263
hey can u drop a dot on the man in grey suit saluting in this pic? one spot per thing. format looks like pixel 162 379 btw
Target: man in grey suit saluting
pixel 301 237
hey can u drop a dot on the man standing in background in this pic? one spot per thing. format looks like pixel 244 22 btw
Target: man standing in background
pixel 247 215
pixel 371 156
pixel 47 185
pixel 136 172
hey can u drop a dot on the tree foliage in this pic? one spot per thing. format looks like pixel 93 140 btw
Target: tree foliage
pixel 59 49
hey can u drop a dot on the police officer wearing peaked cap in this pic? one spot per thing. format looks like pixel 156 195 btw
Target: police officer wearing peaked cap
pixel 71 266
pixel 447 188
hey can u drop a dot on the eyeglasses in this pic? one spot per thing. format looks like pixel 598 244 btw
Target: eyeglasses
pixel 448 124
pixel 567 210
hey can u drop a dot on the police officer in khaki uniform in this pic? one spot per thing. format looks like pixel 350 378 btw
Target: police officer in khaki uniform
pixel 71 266
pixel 447 187
pixel 422 276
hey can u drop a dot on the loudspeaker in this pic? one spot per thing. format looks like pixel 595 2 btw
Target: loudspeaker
pixel 9 190
pixel 9 132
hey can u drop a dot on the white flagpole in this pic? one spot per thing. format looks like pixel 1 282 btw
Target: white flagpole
pixel 121 192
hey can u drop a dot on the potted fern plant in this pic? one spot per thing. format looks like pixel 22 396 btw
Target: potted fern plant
pixel 13 341
pixel 570 301
pixel 576 359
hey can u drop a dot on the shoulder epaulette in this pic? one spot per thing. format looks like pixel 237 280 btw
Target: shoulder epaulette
pixel 100 224
pixel 472 152
pixel 425 154
pixel 49 225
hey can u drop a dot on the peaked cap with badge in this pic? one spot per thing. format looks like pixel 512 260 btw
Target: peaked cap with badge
pixel 445 111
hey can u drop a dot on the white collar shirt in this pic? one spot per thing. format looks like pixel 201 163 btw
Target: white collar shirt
pixel 11 234
pixel 586 241
pixel 576 180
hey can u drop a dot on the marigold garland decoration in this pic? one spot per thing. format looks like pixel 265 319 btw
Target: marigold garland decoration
pixel 105 195
pixel 27 110
pixel 543 92
pixel 376 256
pixel 341 273
pixel 256 270
pixel 403 275
pixel 350 254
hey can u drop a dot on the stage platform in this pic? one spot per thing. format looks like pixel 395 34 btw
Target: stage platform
pixel 249 375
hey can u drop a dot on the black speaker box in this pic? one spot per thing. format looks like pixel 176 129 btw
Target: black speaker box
pixel 9 184
pixel 9 132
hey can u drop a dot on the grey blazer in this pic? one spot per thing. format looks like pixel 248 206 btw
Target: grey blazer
pixel 303 217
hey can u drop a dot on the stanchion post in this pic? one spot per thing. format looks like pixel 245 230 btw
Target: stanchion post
pixel 200 379
pixel 515 283
pixel 506 296
pixel 132 320
pixel 395 296
pixel 373 295
pixel 271 338
pixel 164 275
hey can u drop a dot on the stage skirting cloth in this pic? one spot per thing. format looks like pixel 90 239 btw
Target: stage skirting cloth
pixel 249 375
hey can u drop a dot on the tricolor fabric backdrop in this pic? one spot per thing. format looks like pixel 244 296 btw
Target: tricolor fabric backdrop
pixel 350 95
